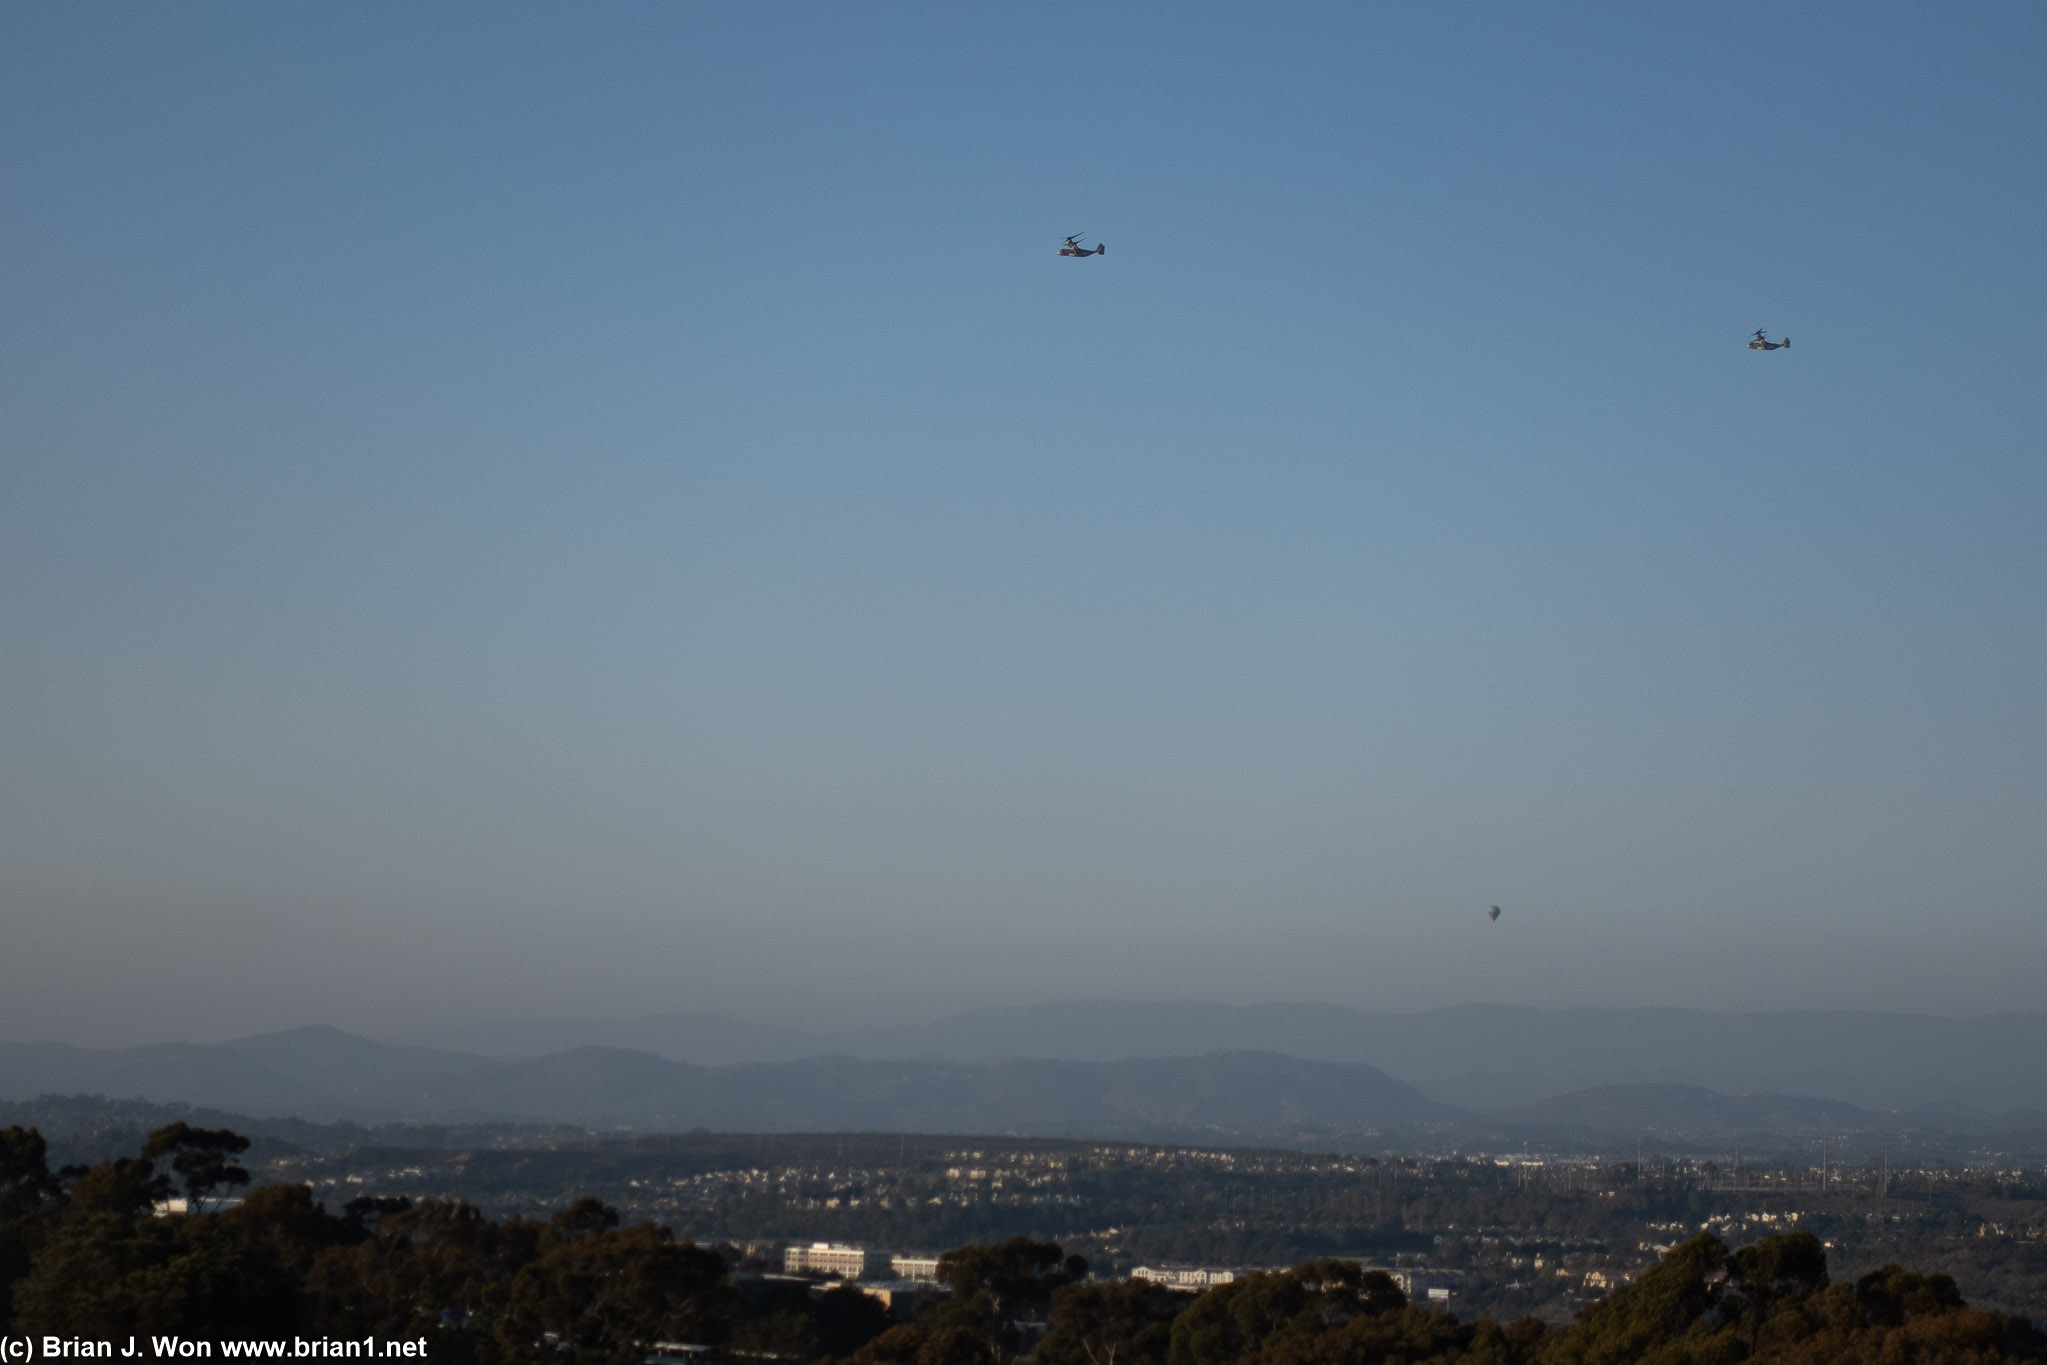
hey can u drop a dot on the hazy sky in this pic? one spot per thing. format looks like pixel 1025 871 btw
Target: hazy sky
pixel 548 510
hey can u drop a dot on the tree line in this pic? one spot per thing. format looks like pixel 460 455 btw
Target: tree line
pixel 85 1250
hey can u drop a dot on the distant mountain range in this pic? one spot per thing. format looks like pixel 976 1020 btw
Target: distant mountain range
pixel 1682 1111
pixel 1237 1097
pixel 1481 1057
pixel 324 1074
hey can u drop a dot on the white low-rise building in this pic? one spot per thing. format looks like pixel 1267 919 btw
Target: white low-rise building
pixel 178 1205
pixel 900 1296
pixel 1194 1277
pixel 831 1258
pixel 922 1269
pixel 1421 1285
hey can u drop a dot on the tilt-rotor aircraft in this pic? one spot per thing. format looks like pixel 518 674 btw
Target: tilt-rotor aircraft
pixel 1763 343
pixel 1074 248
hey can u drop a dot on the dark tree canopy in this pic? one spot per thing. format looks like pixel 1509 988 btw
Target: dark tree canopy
pixel 1117 1322
pixel 202 1157
pixel 83 1252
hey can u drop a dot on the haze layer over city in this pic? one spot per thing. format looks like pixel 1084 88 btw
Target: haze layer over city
pixel 516 512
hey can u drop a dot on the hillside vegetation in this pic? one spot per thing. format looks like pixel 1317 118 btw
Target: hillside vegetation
pixel 83 1250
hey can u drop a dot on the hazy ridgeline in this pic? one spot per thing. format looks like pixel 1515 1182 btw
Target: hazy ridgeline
pixel 1620 1081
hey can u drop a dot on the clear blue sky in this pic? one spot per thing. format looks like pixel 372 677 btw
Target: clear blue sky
pixel 538 509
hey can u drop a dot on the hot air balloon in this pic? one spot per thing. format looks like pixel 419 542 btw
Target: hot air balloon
pixel 1493 913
